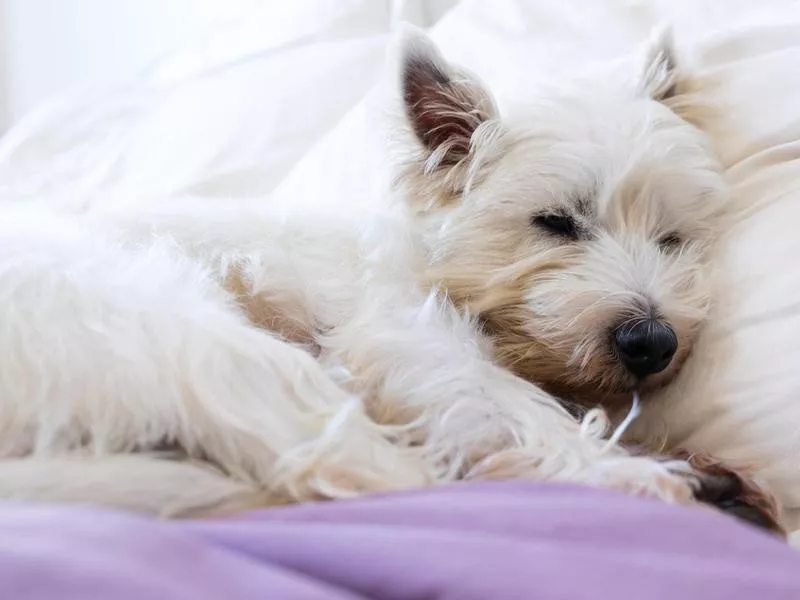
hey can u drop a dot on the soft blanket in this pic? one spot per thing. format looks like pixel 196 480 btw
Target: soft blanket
pixel 470 541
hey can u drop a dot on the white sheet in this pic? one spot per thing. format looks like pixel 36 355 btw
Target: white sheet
pixel 228 115
pixel 240 119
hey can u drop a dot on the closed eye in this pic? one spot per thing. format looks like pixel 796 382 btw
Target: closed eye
pixel 557 224
pixel 670 242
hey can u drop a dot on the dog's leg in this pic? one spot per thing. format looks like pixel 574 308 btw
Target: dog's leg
pixel 425 367
pixel 136 482
pixel 120 350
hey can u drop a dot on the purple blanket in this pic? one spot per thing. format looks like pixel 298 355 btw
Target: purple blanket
pixel 502 540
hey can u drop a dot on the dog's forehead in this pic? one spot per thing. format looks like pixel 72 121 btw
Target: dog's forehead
pixel 581 113
pixel 609 133
pixel 604 159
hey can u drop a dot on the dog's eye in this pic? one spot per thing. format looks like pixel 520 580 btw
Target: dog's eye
pixel 670 242
pixel 562 225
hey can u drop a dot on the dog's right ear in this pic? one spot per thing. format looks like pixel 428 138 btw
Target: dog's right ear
pixel 444 107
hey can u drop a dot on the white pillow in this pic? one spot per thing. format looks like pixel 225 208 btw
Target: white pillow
pixel 739 395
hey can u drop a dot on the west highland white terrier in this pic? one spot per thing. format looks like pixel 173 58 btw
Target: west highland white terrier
pixel 556 254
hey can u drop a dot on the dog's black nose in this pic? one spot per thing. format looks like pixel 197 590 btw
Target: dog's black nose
pixel 646 347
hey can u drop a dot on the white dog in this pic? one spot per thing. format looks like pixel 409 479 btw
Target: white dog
pixel 288 357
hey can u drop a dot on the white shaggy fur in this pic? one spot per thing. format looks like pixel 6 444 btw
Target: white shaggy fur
pixel 320 356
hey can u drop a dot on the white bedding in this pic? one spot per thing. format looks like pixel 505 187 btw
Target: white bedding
pixel 237 119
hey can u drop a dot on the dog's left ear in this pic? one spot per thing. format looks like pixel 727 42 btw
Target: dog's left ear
pixel 663 72
pixel 669 79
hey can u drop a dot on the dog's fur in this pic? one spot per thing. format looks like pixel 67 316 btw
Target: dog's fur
pixel 321 356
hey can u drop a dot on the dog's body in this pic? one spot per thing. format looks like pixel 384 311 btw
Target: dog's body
pixel 321 356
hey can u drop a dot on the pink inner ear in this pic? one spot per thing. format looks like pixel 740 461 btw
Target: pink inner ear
pixel 443 114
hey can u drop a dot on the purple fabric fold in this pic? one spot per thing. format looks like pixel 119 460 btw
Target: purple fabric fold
pixel 470 541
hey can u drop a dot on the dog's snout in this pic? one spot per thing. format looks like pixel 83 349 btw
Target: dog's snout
pixel 646 347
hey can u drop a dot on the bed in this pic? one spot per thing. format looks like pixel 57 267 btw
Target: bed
pixel 237 119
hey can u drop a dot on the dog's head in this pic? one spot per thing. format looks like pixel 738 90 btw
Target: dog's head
pixel 576 230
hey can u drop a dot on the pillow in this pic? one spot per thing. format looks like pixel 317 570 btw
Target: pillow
pixel 738 397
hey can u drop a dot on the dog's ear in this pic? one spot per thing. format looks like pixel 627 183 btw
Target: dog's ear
pixel 444 107
pixel 668 79
pixel 663 72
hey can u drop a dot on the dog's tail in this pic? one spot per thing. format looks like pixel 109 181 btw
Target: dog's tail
pixel 143 483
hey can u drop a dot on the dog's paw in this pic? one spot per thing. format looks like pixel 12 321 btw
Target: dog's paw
pixel 733 493
pixel 730 494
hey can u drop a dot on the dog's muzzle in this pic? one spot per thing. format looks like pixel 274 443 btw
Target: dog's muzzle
pixel 645 347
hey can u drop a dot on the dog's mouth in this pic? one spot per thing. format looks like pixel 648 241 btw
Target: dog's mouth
pixel 613 386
